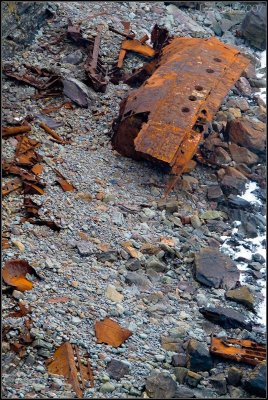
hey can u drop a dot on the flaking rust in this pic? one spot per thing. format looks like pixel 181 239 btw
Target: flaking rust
pixel 164 120
pixel 239 350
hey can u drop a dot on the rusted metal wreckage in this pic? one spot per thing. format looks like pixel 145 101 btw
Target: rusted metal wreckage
pixel 245 351
pixel 164 119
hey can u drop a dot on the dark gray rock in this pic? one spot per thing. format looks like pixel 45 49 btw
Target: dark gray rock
pixel 110 256
pixel 219 383
pixel 21 20
pixel 183 392
pixel 253 27
pixel 160 386
pixel 117 369
pixel 84 248
pixel 234 376
pixel 138 279
pixel 73 58
pixel 226 317
pixel 198 356
pixel 77 91
pixel 192 378
pixel 238 202
pixel 180 373
pixel 133 264
pixel 255 382
pixel 214 193
pixel 179 360
pixel 215 269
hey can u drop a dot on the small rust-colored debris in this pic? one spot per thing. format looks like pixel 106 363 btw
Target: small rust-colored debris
pixel 25 144
pixel 14 272
pixel 28 159
pixel 239 350
pixel 37 169
pixel 65 185
pixel 31 207
pixel 68 105
pixel 164 120
pixel 74 33
pixel 63 363
pixel 51 81
pixel 96 72
pixel 9 168
pixel 51 132
pixel 31 188
pixel 110 332
pixel 43 222
pixel 14 130
pixel 23 310
pixel 10 186
pixel 138 47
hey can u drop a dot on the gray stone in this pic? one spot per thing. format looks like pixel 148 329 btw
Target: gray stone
pixel 183 392
pixel 198 356
pixel 180 373
pixel 226 317
pixel 138 279
pixel 155 264
pixel 85 248
pixel 219 383
pixel 255 381
pixel 107 387
pixel 234 376
pixel 253 26
pixel 117 369
pixel 133 264
pixel 160 385
pixel 215 269
pixel 179 360
pixel 214 193
pixel 73 58
pixel 77 91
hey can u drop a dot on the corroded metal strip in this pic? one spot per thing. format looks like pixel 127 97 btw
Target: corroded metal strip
pixel 164 119
pixel 239 350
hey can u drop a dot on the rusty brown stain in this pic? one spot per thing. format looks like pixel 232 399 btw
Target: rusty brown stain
pixel 239 350
pixel 165 118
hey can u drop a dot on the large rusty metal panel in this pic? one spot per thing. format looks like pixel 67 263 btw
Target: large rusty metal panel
pixel 165 118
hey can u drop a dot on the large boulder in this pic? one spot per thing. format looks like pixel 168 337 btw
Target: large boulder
pixel 253 26
pixel 160 386
pixel 215 269
pixel 248 133
pixel 255 382
pixel 198 356
pixel 21 20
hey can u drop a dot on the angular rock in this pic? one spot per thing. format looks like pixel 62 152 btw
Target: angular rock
pixel 160 386
pixel 85 248
pixel 248 133
pixel 253 26
pixel 117 369
pixel 232 185
pixel 241 295
pixel 238 102
pixel 192 378
pixel 238 202
pixel 242 155
pixel 138 279
pixel 180 373
pixel 73 58
pixel 215 269
pixel 178 360
pixel 213 214
pixel 172 206
pixel 77 91
pixel 113 295
pixel 219 383
pixel 243 86
pixel 171 343
pixel 107 387
pixel 183 392
pixel 226 317
pixel 155 264
pixel 198 356
pixel 214 193
pixel 133 264
pixel 220 156
pixel 234 376
pixel 255 382
pixel 110 256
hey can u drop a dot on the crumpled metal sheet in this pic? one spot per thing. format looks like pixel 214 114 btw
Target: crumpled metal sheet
pixel 165 118
pixel 239 350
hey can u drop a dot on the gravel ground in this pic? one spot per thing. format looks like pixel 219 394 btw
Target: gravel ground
pixel 116 200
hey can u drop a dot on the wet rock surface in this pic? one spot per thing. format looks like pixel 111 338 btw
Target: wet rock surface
pixel 122 251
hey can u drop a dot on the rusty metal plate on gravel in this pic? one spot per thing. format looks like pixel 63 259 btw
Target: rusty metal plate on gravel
pixel 239 350
pixel 165 118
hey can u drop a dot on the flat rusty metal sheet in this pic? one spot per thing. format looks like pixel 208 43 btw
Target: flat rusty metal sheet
pixel 239 350
pixel 165 118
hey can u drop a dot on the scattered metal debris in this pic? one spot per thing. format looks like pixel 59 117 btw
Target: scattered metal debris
pixel 74 33
pixel 239 350
pixel 96 72
pixel 76 373
pixel 11 186
pixel 14 273
pixel 52 133
pixel 66 186
pixel 158 122
pixel 110 332
pixel 14 130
